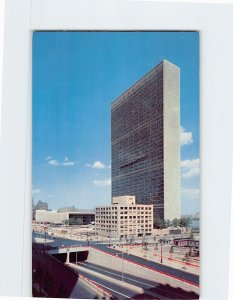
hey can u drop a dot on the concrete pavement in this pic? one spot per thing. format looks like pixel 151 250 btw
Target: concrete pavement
pixel 130 286
pixel 168 260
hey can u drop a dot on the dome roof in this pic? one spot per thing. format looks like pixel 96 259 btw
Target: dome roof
pixel 67 209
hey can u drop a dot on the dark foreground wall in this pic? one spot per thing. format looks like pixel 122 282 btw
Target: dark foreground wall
pixel 50 277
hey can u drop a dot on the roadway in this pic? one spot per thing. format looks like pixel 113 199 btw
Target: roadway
pixel 127 286
pixel 180 274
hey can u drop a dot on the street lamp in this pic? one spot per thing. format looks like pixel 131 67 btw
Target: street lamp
pixel 161 260
pixel 96 233
pixel 76 252
pixel 122 274
pixel 67 256
pixel 87 237
pixel 45 232
pixel 110 234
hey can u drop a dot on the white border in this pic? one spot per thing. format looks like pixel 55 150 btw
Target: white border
pixel 230 278
pixel 15 153
pixel 2 20
pixel 215 23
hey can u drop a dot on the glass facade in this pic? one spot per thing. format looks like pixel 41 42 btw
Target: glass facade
pixel 137 139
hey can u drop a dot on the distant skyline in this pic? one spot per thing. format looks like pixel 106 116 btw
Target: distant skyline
pixel 76 76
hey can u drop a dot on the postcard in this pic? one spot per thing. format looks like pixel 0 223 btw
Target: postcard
pixel 115 164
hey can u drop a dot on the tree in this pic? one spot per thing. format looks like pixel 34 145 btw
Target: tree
pixel 79 221
pixel 167 223
pixel 185 221
pixel 145 246
pixel 175 222
pixel 159 223
pixel 66 222
pixel 72 221
pixel 131 239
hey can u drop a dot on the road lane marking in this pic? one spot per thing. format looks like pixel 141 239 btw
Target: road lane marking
pixel 112 290
pixel 119 275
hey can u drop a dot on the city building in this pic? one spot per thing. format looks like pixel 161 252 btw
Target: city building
pixel 124 219
pixel 68 218
pixel 145 141
pixel 41 205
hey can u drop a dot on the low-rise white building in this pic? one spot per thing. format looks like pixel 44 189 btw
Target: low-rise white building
pixel 44 216
pixel 70 218
pixel 124 218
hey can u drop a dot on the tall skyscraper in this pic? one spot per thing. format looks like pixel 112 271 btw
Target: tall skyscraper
pixel 145 138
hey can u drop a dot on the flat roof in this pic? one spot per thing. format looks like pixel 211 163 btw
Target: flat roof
pixel 81 212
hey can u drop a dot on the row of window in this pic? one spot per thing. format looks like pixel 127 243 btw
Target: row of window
pixel 146 230
pixel 107 208
pixel 124 207
pixel 135 217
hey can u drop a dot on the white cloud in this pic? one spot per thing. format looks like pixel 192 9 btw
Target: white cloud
pixel 186 138
pixel 191 193
pixel 102 183
pixel 191 173
pixel 97 165
pixel 53 162
pixel 190 163
pixel 68 163
pixel 36 191
pixel 48 157
pixel 190 168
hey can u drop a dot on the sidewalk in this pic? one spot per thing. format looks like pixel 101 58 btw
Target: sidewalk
pixel 168 260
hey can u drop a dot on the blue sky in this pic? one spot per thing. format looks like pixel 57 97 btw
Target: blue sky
pixel 76 76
